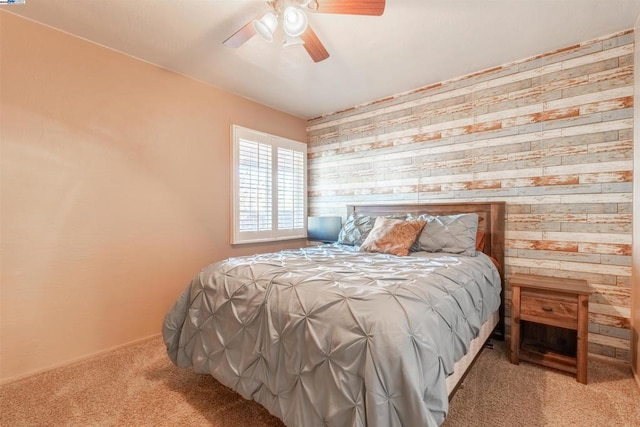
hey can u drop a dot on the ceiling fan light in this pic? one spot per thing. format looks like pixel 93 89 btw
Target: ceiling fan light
pixel 292 41
pixel 266 25
pixel 294 21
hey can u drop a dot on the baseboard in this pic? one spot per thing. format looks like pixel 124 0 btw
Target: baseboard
pixel 608 359
pixel 74 361
pixel 636 376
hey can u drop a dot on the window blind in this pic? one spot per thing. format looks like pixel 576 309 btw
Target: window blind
pixel 254 186
pixel 269 199
pixel 291 197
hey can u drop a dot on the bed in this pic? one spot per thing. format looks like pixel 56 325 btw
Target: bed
pixel 333 335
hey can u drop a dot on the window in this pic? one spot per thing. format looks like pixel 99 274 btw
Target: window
pixel 269 179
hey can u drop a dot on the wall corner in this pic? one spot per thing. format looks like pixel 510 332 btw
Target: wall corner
pixel 635 274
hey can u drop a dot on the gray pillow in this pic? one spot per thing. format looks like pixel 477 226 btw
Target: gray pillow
pixel 357 227
pixel 416 245
pixel 454 234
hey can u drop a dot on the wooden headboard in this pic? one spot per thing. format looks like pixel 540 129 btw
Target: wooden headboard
pixel 491 220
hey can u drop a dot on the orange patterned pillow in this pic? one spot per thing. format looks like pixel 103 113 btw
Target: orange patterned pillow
pixel 392 236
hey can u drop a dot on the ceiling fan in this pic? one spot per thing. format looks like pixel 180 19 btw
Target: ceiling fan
pixel 295 24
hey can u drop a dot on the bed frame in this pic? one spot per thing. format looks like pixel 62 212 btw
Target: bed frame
pixel 491 219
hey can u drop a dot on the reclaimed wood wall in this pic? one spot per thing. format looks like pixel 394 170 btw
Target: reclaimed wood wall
pixel 552 136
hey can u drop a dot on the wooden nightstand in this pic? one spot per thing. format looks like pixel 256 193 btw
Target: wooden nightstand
pixel 549 320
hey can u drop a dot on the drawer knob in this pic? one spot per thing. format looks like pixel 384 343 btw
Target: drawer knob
pixel 547 309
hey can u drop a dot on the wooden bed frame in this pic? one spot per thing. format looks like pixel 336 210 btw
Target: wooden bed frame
pixel 491 217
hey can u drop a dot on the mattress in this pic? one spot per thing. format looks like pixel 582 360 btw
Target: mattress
pixel 464 363
pixel 329 335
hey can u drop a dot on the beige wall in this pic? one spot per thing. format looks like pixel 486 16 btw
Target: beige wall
pixel 115 191
pixel 635 307
pixel 552 136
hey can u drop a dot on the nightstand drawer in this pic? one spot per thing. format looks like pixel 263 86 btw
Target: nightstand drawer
pixel 556 310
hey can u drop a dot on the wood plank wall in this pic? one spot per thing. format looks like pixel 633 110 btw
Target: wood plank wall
pixel 550 135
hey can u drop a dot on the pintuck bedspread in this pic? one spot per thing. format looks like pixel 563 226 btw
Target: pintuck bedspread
pixel 331 336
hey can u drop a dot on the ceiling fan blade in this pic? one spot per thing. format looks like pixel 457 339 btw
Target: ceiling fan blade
pixel 314 46
pixel 352 7
pixel 238 38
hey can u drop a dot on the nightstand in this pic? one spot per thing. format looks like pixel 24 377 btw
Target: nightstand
pixel 549 321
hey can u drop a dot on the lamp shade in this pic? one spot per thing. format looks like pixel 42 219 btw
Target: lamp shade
pixel 292 41
pixel 266 25
pixel 324 228
pixel 294 21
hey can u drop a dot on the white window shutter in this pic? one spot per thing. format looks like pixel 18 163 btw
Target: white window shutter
pixel 254 186
pixel 269 200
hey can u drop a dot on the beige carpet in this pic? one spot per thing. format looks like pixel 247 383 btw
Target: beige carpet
pixel 138 386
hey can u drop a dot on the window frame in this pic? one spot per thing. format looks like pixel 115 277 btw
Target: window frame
pixel 274 234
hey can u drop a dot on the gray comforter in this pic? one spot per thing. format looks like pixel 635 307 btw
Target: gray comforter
pixel 332 336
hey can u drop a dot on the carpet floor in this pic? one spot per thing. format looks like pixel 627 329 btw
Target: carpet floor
pixel 138 386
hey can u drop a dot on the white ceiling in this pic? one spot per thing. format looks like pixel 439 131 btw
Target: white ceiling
pixel 414 44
